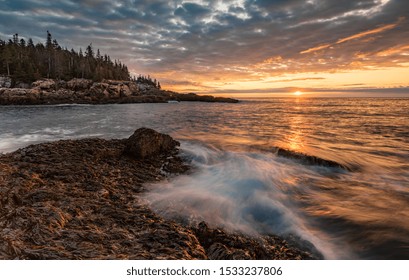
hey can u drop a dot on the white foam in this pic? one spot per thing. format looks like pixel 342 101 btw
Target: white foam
pixel 249 192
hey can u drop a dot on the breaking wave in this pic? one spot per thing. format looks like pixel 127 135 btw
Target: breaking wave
pixel 242 191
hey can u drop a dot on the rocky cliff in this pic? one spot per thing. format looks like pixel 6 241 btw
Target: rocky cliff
pixel 83 91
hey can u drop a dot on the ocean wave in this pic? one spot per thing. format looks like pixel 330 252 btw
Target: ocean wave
pixel 241 191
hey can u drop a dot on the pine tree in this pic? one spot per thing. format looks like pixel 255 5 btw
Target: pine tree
pixel 25 62
pixel 49 41
pixel 30 43
pixel 89 51
pixel 22 43
pixel 15 39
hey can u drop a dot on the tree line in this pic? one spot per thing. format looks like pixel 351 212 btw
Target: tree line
pixel 25 61
pixel 147 80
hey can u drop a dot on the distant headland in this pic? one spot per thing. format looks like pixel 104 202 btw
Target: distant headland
pixel 84 91
pixel 49 74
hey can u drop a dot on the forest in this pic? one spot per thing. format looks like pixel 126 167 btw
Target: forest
pixel 26 62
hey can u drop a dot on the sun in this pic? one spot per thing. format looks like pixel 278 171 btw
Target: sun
pixel 297 93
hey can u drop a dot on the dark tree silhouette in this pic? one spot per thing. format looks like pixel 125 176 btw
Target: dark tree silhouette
pixel 23 61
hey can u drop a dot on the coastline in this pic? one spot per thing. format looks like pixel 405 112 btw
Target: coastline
pixel 82 91
pixel 80 199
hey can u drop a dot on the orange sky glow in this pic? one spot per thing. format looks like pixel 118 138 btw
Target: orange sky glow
pixel 235 47
pixel 386 68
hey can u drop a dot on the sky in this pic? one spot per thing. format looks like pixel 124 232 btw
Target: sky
pixel 241 47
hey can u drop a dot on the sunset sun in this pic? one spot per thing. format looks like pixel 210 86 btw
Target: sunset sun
pixel 297 93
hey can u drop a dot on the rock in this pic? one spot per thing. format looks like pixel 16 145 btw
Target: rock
pixel 202 98
pixel 133 88
pixel 114 91
pixel 99 90
pixel 44 84
pixel 112 82
pixel 5 82
pixel 220 244
pixel 79 84
pixel 81 199
pixel 218 251
pixel 48 91
pixel 21 85
pixel 146 142
pixel 64 94
pixel 145 87
pixel 312 160
pixel 125 91
pixel 61 84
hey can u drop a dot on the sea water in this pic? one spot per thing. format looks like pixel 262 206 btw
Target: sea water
pixel 240 182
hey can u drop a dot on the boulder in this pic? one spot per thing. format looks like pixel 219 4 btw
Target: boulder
pixel 112 82
pixel 146 142
pixel 63 93
pixel 5 82
pixel 79 84
pixel 125 91
pixel 133 88
pixel 99 90
pixel 44 84
pixel 15 92
pixel 114 91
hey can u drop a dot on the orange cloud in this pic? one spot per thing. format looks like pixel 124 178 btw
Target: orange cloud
pixel 368 32
pixel 395 50
pixel 356 36
pixel 316 48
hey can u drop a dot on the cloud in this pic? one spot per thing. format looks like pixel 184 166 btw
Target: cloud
pixel 370 32
pixel 285 90
pixel 356 36
pixel 295 79
pixel 233 40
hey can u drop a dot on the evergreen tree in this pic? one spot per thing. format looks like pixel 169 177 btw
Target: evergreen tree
pixel 89 51
pixel 24 61
pixel 30 43
pixel 49 41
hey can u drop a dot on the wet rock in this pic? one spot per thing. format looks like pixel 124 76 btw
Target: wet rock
pixel 221 245
pixel 202 98
pixel 146 142
pixel 311 160
pixel 218 251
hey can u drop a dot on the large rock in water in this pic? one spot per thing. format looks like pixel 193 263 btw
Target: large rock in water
pixel 146 142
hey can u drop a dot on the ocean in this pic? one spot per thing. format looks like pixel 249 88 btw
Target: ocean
pixel 332 172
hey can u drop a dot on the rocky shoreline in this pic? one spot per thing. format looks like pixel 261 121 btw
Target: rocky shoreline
pixel 82 91
pixel 81 199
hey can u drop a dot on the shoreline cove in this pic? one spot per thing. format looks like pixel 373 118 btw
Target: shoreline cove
pixel 82 199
